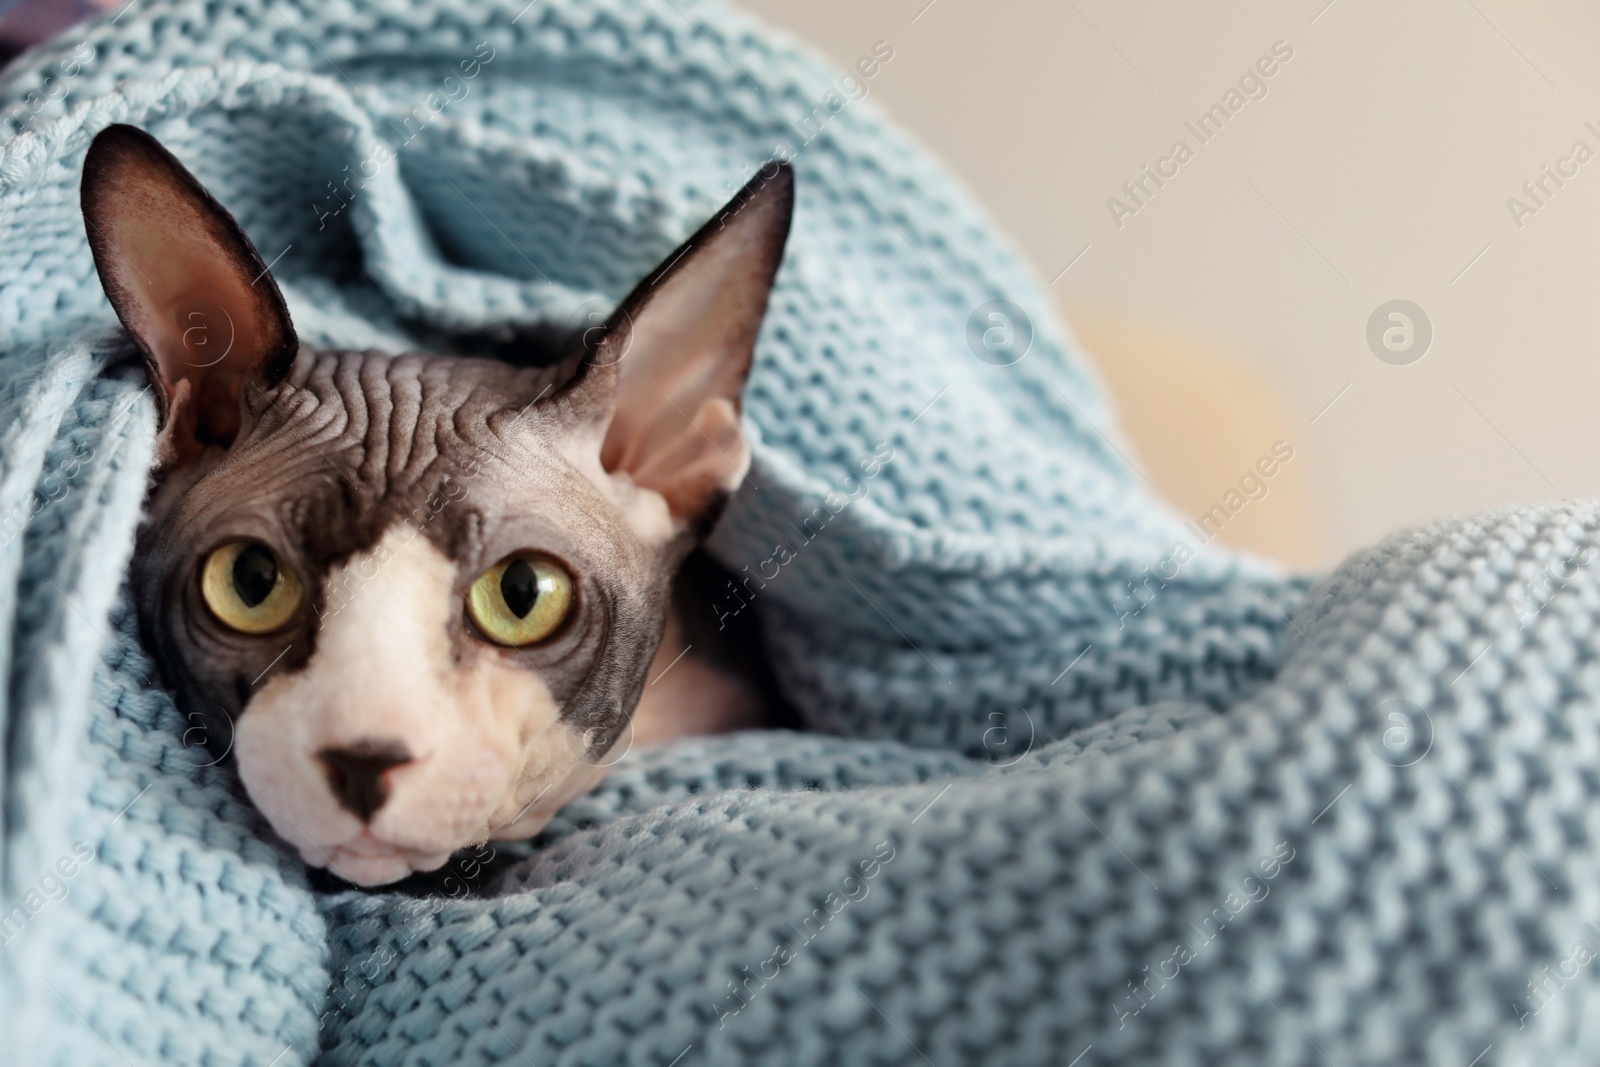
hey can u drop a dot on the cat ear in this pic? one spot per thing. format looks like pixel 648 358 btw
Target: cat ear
pixel 188 285
pixel 677 351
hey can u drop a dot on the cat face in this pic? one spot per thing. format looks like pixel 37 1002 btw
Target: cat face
pixel 416 596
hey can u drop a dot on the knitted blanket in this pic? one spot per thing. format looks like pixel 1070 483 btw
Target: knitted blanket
pixel 1080 787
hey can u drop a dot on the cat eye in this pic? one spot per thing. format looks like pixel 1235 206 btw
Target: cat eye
pixel 521 600
pixel 248 590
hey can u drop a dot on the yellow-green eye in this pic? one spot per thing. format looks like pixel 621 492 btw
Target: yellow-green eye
pixel 520 600
pixel 248 590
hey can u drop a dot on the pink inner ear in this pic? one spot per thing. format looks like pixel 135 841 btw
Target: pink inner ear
pixel 696 459
pixel 185 282
pixel 201 338
pixel 675 427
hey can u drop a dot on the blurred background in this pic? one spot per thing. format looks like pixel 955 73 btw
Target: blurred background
pixel 1338 156
pixel 1228 307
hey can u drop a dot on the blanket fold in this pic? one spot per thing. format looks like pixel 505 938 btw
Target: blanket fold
pixel 1079 782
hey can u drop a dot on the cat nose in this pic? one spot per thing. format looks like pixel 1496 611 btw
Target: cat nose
pixel 356 773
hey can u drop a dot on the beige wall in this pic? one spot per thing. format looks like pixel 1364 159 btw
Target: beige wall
pixel 1377 166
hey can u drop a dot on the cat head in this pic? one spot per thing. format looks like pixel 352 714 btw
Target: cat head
pixel 416 596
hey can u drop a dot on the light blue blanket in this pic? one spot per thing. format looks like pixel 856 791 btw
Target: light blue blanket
pixel 1080 791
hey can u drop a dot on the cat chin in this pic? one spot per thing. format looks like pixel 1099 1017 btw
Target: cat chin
pixel 365 865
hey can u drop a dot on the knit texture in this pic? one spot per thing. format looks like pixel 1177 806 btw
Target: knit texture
pixel 1065 787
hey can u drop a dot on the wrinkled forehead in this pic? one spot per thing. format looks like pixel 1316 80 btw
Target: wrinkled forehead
pixel 357 443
